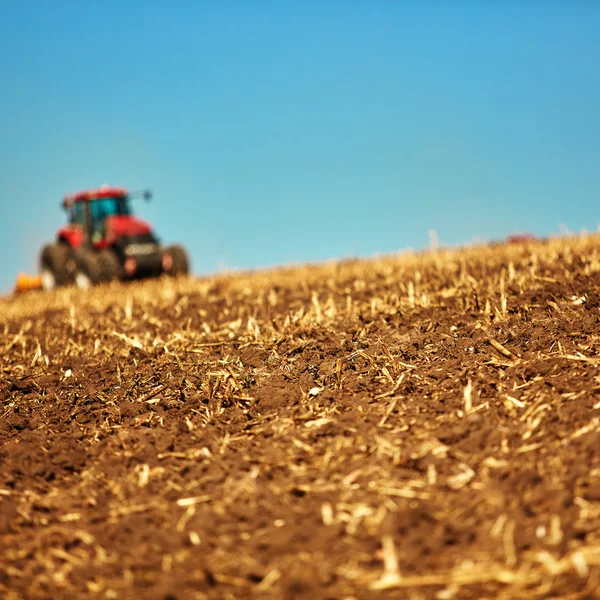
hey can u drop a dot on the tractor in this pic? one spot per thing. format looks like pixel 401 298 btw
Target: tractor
pixel 103 241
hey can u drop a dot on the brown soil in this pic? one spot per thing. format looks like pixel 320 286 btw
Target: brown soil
pixel 420 426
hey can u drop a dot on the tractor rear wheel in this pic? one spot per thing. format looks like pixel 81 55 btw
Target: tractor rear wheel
pixel 87 272
pixel 56 265
pixel 180 264
pixel 110 267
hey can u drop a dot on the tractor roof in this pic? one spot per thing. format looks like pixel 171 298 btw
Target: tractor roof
pixel 105 191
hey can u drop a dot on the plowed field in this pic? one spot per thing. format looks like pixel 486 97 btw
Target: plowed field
pixel 419 426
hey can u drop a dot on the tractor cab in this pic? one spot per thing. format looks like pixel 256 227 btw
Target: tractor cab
pixel 101 218
pixel 100 209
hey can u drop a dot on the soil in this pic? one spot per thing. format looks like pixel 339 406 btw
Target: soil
pixel 416 426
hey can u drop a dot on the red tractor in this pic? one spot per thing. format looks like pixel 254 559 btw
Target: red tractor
pixel 104 241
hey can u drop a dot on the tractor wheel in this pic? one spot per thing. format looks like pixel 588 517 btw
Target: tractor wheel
pixel 56 265
pixel 110 267
pixel 179 261
pixel 87 272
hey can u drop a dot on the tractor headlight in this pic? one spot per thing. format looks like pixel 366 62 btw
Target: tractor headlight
pixel 130 266
pixel 140 249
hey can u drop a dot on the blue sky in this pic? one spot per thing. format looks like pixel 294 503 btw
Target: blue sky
pixel 276 132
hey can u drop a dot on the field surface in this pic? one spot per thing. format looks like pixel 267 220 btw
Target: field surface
pixel 419 426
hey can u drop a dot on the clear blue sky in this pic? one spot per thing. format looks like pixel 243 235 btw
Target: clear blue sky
pixel 275 132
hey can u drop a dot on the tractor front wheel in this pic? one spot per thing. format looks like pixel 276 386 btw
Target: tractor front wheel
pixel 88 271
pixel 56 265
pixel 110 267
pixel 179 263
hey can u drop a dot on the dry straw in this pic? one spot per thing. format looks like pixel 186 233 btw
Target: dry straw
pixel 423 424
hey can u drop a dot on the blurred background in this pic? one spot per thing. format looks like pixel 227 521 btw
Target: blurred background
pixel 277 132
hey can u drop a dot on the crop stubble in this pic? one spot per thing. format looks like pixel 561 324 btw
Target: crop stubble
pixel 419 426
